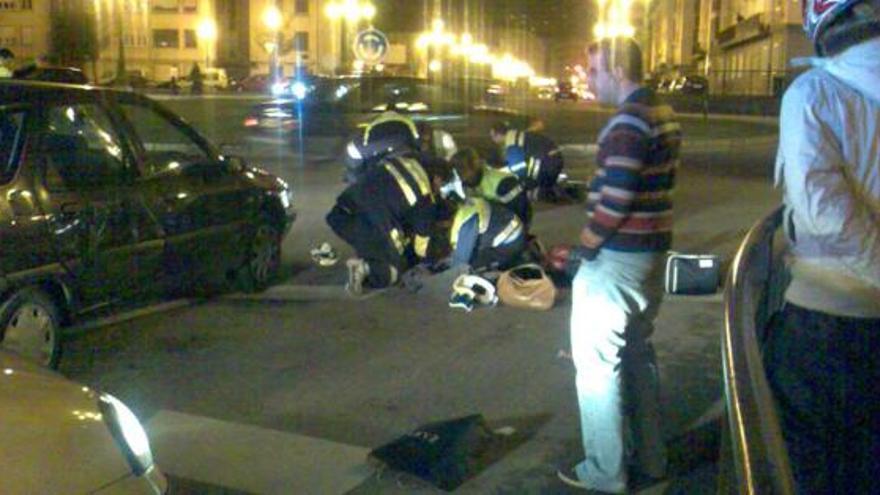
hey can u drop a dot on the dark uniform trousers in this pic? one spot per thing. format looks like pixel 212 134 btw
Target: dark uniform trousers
pixel 369 235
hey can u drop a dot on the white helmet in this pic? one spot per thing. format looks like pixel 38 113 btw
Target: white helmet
pixel 480 289
pixel 454 187
pixel 819 14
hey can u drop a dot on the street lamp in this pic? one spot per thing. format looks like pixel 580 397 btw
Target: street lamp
pixel 348 13
pixel 272 19
pixel 207 33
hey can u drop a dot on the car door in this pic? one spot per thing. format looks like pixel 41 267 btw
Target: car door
pixel 99 225
pixel 202 204
pixel 25 248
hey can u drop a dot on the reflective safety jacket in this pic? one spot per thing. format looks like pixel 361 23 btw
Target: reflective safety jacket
pixel 480 225
pixel 396 195
pixel 524 153
pixel 500 186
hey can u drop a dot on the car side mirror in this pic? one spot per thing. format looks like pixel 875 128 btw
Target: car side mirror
pixel 235 163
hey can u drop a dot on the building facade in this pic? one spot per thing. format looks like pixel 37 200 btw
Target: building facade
pixel 24 28
pixel 749 43
pixel 159 39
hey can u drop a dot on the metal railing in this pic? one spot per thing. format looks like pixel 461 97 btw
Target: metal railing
pixel 749 82
pixel 758 461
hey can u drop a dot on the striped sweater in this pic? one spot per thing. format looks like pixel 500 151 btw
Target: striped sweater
pixel 629 204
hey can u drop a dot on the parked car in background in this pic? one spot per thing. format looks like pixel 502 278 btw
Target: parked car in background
pixel 105 197
pixel 664 86
pixel 213 79
pixel 690 85
pixel 566 91
pixel 254 83
pixel 131 80
pixel 546 93
pixel 57 436
pixel 68 75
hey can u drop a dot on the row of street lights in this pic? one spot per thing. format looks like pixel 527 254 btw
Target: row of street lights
pixel 438 41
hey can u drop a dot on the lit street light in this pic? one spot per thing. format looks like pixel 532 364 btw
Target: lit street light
pixel 272 19
pixel 349 13
pixel 207 33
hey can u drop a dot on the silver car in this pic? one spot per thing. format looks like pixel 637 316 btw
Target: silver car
pixel 57 436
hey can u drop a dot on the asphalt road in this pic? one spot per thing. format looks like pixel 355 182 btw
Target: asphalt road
pixel 287 392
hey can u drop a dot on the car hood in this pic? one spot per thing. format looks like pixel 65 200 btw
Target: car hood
pixel 52 436
pixel 264 179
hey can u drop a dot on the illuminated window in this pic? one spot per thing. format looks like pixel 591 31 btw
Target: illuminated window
pixel 165 38
pixel 301 7
pixel 190 6
pixel 165 5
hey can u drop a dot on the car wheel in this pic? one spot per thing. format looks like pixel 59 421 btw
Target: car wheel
pixel 263 257
pixel 30 326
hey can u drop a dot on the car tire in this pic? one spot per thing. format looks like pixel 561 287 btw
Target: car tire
pixel 30 326
pixel 263 257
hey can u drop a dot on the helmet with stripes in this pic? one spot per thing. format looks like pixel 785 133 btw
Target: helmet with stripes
pixel 819 14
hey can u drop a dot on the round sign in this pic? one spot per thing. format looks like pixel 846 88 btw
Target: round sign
pixel 371 46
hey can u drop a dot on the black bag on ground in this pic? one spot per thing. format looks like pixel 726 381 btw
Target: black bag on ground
pixel 692 274
pixel 443 453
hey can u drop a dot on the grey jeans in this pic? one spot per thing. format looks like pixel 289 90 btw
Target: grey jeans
pixel 615 299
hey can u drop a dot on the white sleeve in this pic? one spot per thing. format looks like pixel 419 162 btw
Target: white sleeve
pixel 819 186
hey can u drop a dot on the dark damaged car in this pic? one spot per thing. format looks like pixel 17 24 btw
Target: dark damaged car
pixel 107 197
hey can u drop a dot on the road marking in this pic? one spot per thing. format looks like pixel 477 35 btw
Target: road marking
pixel 253 459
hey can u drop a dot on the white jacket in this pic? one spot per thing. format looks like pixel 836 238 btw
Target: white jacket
pixel 829 166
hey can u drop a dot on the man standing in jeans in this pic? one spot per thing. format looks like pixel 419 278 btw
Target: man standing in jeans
pixel 822 356
pixel 618 288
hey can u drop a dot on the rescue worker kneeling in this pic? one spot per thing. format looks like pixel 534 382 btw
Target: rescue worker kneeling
pixel 388 214
pixel 384 135
pixel 486 236
pixel 531 156
pixel 480 180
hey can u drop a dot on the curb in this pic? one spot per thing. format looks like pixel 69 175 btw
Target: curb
pixel 590 150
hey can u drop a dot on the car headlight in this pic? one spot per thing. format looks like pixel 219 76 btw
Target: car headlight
pixel 128 433
pixel 278 88
pixel 299 90
pixel 285 195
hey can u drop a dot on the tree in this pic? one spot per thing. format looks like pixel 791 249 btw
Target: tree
pixel 73 35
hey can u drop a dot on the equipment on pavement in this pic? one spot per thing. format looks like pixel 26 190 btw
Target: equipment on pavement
pixel 444 453
pixel 528 287
pixel 692 274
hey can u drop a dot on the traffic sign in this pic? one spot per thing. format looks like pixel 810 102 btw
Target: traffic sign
pixel 371 46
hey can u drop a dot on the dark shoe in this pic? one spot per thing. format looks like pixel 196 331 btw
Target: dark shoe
pixel 570 478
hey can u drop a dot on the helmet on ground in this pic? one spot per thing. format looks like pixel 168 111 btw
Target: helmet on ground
pixel 819 14
pixel 477 288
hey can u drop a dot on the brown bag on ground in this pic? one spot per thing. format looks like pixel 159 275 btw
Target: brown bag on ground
pixel 527 286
